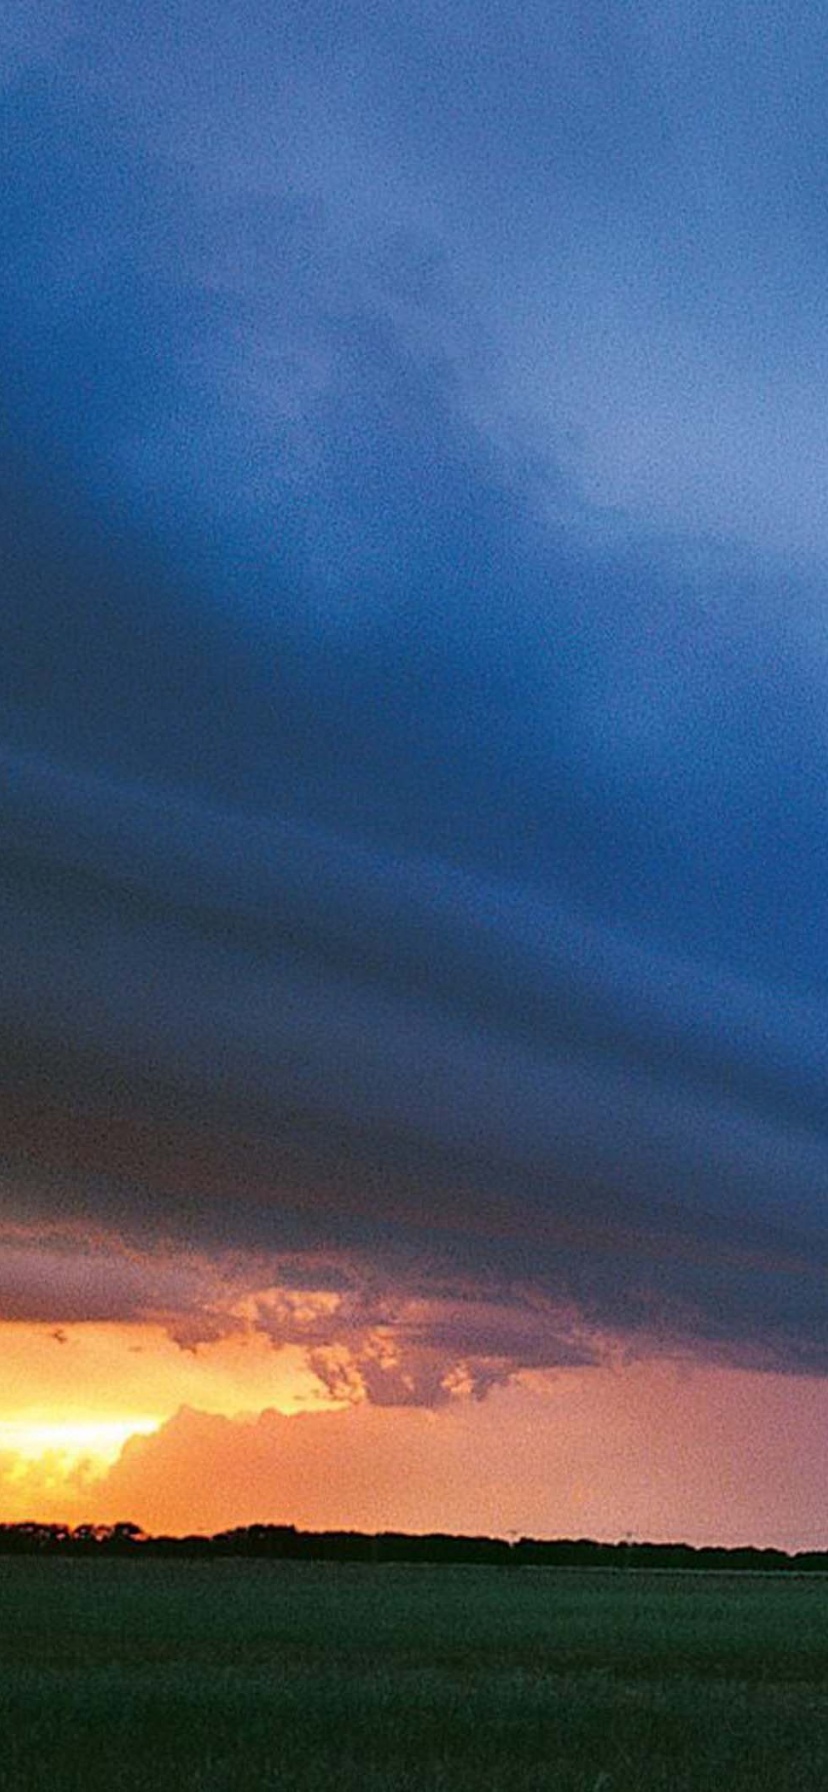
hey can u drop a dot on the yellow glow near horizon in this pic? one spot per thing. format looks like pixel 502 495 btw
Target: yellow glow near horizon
pixel 72 1397
pixel 68 1442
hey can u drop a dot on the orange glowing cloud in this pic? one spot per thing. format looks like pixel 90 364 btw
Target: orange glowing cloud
pixel 662 1451
pixel 73 1395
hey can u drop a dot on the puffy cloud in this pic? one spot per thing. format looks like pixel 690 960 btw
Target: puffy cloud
pixel 709 1455
pixel 417 1339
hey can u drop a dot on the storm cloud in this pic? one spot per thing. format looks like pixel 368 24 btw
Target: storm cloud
pixel 414 673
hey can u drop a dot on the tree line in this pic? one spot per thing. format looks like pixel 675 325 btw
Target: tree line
pixel 284 1542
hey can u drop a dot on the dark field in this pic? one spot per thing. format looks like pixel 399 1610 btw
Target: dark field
pixel 321 1678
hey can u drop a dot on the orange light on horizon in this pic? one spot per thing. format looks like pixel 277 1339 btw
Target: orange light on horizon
pixel 73 1396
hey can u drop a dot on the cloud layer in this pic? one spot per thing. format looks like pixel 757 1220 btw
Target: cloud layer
pixel 413 744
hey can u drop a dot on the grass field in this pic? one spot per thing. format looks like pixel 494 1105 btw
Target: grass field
pixel 207 1677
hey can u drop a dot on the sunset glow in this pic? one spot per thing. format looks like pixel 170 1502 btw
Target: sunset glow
pixel 62 1444
pixel 656 1450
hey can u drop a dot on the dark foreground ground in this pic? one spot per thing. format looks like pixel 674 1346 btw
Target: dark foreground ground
pixel 207 1677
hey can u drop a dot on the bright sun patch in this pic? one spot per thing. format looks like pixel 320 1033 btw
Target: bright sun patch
pixel 68 1442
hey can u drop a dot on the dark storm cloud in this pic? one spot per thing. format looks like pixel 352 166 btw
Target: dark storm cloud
pixel 411 848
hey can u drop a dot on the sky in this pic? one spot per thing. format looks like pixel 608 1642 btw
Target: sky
pixel 413 766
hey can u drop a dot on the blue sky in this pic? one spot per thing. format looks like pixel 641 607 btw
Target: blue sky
pixel 414 652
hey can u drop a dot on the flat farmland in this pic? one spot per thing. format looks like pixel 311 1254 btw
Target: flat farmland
pixel 222 1675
